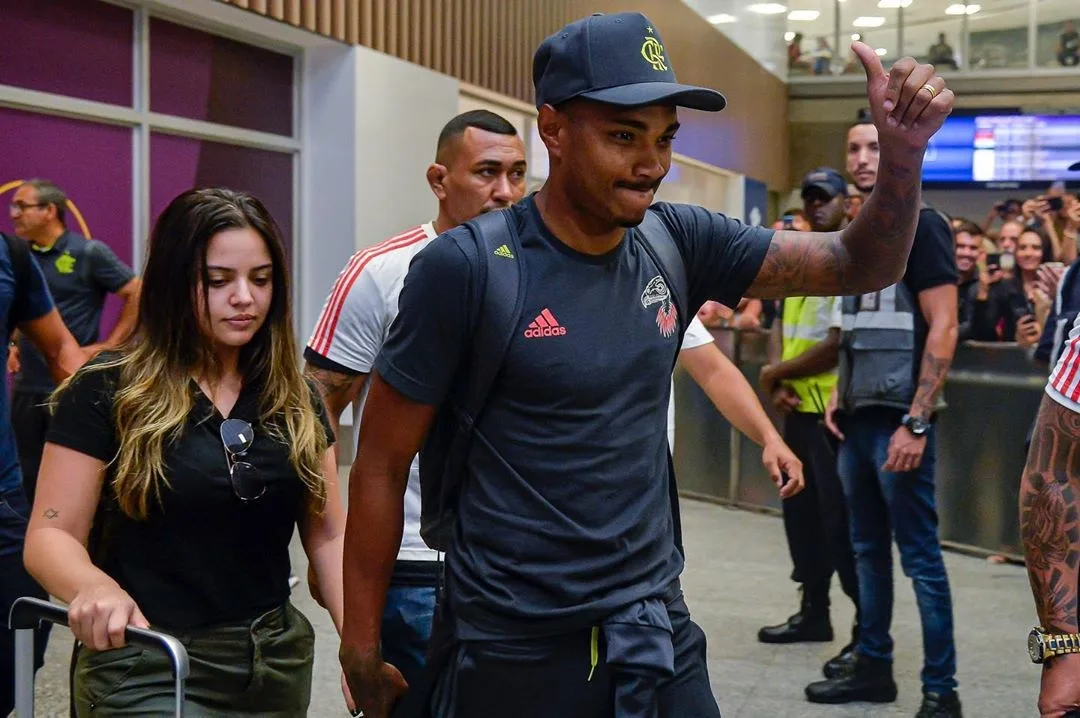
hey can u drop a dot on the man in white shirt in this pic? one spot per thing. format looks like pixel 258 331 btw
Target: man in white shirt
pixel 479 167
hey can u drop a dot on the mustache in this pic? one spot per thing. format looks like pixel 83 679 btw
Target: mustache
pixel 640 186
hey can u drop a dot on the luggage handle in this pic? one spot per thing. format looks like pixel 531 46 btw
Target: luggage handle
pixel 25 614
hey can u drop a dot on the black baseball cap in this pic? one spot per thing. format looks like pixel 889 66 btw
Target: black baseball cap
pixel 1074 167
pixel 615 59
pixel 827 180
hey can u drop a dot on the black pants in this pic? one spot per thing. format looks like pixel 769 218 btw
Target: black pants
pixel 545 677
pixel 30 420
pixel 816 520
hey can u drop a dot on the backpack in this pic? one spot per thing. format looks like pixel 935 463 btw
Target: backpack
pixel 19 253
pixel 498 299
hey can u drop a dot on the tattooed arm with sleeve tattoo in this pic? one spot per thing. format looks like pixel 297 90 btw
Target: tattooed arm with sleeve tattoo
pixel 1050 527
pixel 871 252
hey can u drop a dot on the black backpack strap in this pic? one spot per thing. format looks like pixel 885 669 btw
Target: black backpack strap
pixel 19 251
pixel 656 238
pixel 499 295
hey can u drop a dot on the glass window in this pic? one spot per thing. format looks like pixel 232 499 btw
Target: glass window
pixel 91 162
pixel 997 33
pixel 929 37
pixel 87 54
pixel 811 41
pixel 206 77
pixel 180 163
pixel 1057 42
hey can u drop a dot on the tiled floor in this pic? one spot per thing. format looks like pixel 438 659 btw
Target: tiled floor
pixel 736 581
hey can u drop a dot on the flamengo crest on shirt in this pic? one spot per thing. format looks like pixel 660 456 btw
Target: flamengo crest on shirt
pixel 656 292
pixel 545 325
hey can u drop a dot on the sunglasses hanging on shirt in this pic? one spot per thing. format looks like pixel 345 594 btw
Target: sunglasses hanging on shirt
pixel 237 437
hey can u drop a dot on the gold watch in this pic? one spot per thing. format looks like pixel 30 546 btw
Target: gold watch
pixel 1043 645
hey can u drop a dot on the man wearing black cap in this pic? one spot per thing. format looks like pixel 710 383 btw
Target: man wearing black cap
pixel 895 353
pixel 799 380
pixel 562 589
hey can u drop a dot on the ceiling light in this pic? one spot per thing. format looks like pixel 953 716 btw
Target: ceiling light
pixel 868 21
pixel 803 15
pixel 722 19
pixel 767 8
pixel 881 52
pixel 789 36
pixel 961 9
pixel 892 4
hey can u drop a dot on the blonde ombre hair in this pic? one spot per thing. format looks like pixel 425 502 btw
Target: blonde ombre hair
pixel 155 394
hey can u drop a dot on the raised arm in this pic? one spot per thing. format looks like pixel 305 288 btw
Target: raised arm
pixel 871 252
pixel 390 436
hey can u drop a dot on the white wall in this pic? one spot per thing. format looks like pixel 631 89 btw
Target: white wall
pixel 370 129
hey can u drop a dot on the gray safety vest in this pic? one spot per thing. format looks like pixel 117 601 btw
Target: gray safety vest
pixel 877 349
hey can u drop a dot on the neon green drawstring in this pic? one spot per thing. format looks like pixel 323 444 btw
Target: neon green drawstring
pixel 594 651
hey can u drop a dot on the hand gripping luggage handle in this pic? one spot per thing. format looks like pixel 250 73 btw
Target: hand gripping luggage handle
pixel 25 614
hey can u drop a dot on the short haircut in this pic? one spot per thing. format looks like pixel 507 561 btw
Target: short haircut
pixel 49 193
pixel 480 119
pixel 863 117
pixel 966 225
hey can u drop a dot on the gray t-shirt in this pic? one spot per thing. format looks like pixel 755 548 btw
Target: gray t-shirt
pixel 79 273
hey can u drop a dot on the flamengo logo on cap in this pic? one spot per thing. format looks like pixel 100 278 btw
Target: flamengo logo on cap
pixel 545 325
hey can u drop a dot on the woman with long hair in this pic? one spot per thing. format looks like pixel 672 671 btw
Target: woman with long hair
pixel 1018 303
pixel 175 471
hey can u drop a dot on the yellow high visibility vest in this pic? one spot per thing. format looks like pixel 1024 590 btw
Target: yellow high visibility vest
pixel 806 322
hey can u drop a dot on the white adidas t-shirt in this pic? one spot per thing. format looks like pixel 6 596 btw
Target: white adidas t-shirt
pixel 351 331
pixel 696 335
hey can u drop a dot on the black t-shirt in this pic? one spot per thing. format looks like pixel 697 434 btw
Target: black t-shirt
pixel 565 514
pixel 202 557
pixel 932 263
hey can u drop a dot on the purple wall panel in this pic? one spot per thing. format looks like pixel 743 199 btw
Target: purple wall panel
pixel 77 48
pixel 205 77
pixel 91 162
pixel 180 163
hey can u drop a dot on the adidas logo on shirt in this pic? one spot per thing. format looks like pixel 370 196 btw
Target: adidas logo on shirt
pixel 504 252
pixel 545 325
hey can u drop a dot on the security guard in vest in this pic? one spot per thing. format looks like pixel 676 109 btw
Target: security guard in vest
pixel 896 348
pixel 799 379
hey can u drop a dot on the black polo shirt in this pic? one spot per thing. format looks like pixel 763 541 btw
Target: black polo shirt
pixel 203 557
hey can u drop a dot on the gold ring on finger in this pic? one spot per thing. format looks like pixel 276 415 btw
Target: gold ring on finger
pixel 929 88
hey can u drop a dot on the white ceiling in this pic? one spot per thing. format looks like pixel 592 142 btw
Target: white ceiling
pixel 762 36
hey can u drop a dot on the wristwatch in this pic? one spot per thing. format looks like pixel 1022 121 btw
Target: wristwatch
pixel 915 425
pixel 1043 645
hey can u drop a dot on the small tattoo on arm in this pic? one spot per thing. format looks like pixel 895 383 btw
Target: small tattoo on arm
pixel 51 513
pixel 932 376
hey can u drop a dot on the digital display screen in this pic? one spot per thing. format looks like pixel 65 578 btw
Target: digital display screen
pixel 1003 151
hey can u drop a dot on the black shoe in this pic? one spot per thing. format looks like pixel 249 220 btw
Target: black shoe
pixel 840 664
pixel 936 705
pixel 801 627
pixel 870 680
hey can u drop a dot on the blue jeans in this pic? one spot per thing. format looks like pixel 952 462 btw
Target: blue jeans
pixel 406 629
pixel 15 582
pixel 883 504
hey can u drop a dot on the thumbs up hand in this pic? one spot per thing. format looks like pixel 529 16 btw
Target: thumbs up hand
pixel 908 103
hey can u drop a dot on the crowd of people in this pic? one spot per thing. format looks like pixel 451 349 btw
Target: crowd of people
pixel 469 576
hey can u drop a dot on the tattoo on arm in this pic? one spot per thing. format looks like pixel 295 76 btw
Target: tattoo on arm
pixel 330 383
pixel 51 513
pixel 932 375
pixel 1050 516
pixel 867 255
